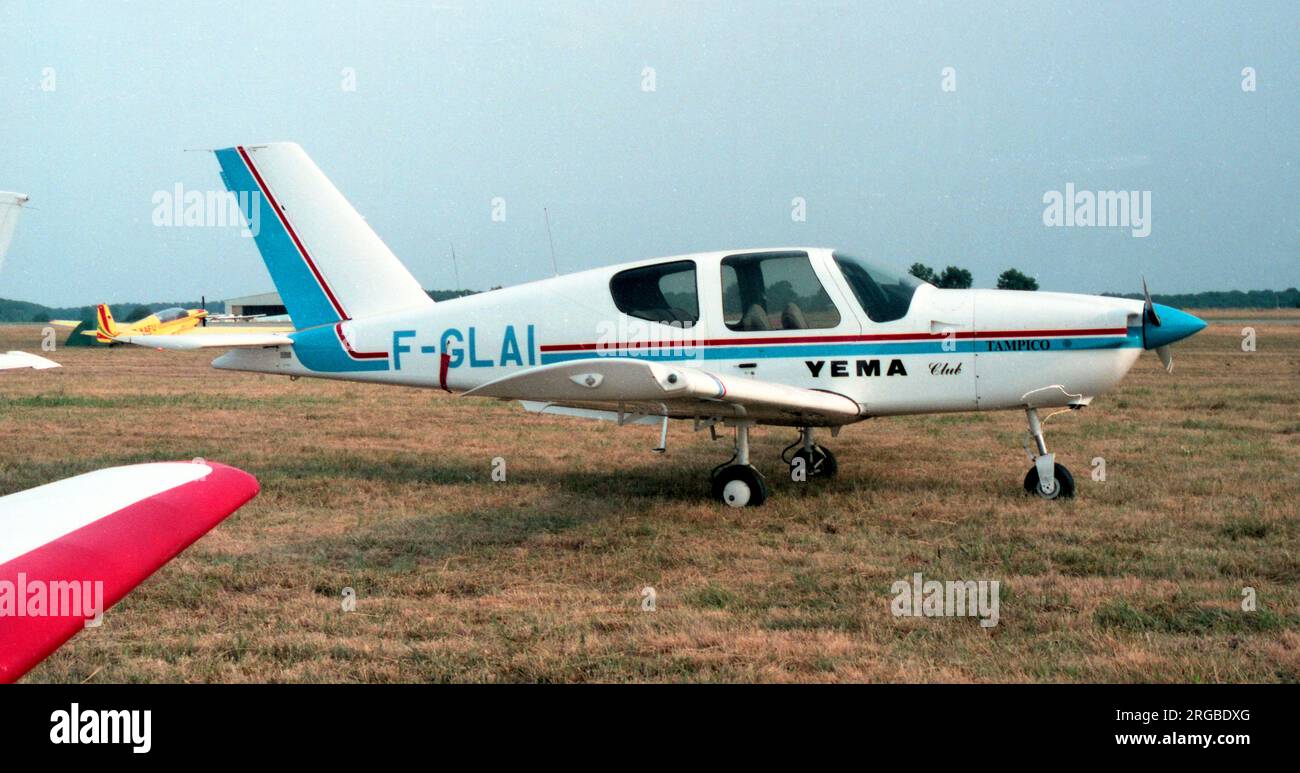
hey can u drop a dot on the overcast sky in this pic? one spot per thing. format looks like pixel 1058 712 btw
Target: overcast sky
pixel 753 105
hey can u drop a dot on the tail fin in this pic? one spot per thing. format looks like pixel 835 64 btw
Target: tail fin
pixel 10 205
pixel 325 260
pixel 105 328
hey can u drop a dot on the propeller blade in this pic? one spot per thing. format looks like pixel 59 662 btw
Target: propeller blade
pixel 1149 310
pixel 1166 358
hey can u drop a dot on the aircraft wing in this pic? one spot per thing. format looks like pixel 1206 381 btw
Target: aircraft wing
pixel 188 342
pixel 638 387
pixel 69 323
pixel 232 317
pixel 12 360
pixel 102 532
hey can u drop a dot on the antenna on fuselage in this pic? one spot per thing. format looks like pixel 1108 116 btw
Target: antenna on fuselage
pixel 454 267
pixel 551 239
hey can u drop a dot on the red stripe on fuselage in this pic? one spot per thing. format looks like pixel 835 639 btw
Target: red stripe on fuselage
pixel 338 329
pixel 840 339
pixel 284 220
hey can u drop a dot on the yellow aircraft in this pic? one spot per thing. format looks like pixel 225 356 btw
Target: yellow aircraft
pixel 173 321
pixel 160 323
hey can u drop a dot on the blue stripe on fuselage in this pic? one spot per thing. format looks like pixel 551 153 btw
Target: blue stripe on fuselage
pixel 320 349
pixel 304 299
pixel 770 351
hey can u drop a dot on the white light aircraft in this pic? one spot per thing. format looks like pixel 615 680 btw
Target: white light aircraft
pixel 792 336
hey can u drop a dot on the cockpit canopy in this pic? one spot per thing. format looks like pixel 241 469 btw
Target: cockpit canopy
pixel 171 315
pixel 885 294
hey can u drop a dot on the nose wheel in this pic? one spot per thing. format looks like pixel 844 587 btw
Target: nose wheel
pixel 1061 485
pixel 1046 479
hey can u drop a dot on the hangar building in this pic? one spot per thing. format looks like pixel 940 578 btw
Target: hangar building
pixel 268 304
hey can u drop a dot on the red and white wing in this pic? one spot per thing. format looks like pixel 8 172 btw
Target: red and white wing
pixel 114 526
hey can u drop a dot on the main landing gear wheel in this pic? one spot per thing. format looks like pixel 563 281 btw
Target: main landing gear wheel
pixel 814 460
pixel 736 483
pixel 818 463
pixel 1061 488
pixel 739 485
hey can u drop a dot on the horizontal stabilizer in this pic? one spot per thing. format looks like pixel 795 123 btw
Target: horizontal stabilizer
pixel 185 343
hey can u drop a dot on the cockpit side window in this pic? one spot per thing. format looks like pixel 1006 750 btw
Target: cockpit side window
pixel 664 293
pixel 885 294
pixel 774 291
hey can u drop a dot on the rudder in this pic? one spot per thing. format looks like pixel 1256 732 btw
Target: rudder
pixel 105 327
pixel 327 262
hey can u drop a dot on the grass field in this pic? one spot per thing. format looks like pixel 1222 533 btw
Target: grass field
pixel 459 578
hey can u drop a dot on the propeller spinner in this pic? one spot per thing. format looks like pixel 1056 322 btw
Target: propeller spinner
pixel 1163 325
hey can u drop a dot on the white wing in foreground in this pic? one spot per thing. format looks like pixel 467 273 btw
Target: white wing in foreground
pixel 11 360
pixel 628 386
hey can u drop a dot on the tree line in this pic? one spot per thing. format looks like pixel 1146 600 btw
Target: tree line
pixel 956 278
pixel 951 277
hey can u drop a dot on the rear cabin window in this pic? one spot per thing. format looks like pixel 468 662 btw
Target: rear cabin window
pixel 664 293
pixel 774 291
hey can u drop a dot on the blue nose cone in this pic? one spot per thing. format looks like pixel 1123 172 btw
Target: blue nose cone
pixel 1174 326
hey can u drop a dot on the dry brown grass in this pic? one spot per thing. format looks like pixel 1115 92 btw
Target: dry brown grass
pixel 387 490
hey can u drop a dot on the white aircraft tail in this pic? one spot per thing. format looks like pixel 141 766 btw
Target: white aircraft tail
pixel 10 205
pixel 327 262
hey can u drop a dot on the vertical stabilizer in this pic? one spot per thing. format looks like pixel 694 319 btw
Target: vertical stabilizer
pixel 327 262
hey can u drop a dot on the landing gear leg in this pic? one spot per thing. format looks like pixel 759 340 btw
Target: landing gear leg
pixel 811 460
pixel 1046 479
pixel 737 483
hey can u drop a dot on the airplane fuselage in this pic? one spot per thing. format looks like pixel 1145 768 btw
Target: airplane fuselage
pixel 953 350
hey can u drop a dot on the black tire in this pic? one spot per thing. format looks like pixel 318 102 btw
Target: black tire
pixel 746 474
pixel 1064 483
pixel 821 464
